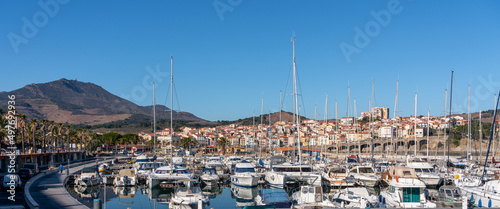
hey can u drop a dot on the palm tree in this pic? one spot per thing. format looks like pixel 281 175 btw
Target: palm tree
pixel 187 142
pixel 44 127
pixel 33 125
pixel 80 136
pixel 59 134
pixel 223 143
pixel 22 126
pixel 52 126
pixel 68 132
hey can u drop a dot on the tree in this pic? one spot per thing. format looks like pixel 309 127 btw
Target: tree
pixel 130 138
pixel 22 126
pixel 59 134
pixel 43 128
pixel 68 132
pixel 223 142
pixel 52 126
pixel 111 138
pixel 33 125
pixel 187 142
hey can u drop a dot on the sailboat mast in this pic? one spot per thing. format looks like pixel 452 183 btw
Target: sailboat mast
pixel 326 124
pixel 428 124
pixel 445 123
pixel 171 105
pixel 451 122
pixel 154 120
pixel 295 103
pixel 347 119
pixel 468 127
pixel 415 133
pixel 261 125
pixel 371 123
pixel 337 127
pixel 396 117
pixel 480 139
pixel 355 127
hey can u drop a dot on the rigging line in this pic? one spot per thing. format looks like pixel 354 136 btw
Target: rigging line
pixel 286 87
pixel 300 88
pixel 177 98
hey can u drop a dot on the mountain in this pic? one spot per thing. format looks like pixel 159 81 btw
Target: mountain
pixel 76 102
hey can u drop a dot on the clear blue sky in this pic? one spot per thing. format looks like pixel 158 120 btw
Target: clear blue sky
pixel 222 67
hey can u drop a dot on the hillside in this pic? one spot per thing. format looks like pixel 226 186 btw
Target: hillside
pixel 76 102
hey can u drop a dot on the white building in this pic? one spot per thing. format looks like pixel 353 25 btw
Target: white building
pixel 385 132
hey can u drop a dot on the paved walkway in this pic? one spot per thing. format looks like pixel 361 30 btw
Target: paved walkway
pixel 49 191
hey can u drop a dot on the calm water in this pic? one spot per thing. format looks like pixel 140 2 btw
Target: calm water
pixel 222 196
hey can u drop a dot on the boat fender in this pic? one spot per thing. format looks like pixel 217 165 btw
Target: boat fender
pixel 489 202
pixel 480 203
pixel 397 179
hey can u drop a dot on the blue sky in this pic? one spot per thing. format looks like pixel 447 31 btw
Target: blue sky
pixel 227 57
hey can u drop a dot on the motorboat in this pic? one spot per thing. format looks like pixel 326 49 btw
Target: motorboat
pixel 446 197
pixel 355 198
pixel 232 160
pixel 215 162
pixel 209 176
pixel 273 197
pixel 287 173
pixel 426 173
pixel 406 193
pixel 126 177
pixel 244 175
pixel 364 176
pixel 312 197
pixel 89 177
pixel 170 174
pixel 142 170
pixel 335 176
pixel 188 196
pixel 400 172
pixel 178 161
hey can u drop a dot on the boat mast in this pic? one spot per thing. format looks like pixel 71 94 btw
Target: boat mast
pixel 261 125
pixel 491 135
pixel 371 125
pixel 347 120
pixel 270 136
pixel 295 104
pixel 480 138
pixel 154 120
pixel 356 128
pixel 468 127
pixel 451 123
pixel 396 117
pixel 445 123
pixel 428 124
pixel 337 127
pixel 326 125
pixel 415 133
pixel 171 105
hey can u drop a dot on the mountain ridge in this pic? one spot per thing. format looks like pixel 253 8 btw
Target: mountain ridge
pixel 76 102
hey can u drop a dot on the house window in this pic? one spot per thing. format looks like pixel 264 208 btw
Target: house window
pixel 411 194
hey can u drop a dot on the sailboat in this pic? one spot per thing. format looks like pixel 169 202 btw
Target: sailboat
pixel 285 173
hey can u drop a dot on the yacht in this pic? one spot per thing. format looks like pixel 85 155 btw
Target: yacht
pixel 355 198
pixel 364 176
pixel 446 197
pixel 170 174
pixel 142 170
pixel 312 197
pixel 215 162
pixel 244 175
pixel 285 173
pixel 336 177
pixel 232 160
pixel 273 197
pixel 126 177
pixel 188 196
pixel 178 161
pixel 89 177
pixel 209 176
pixel 426 173
pixel 406 193
pixel 489 191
